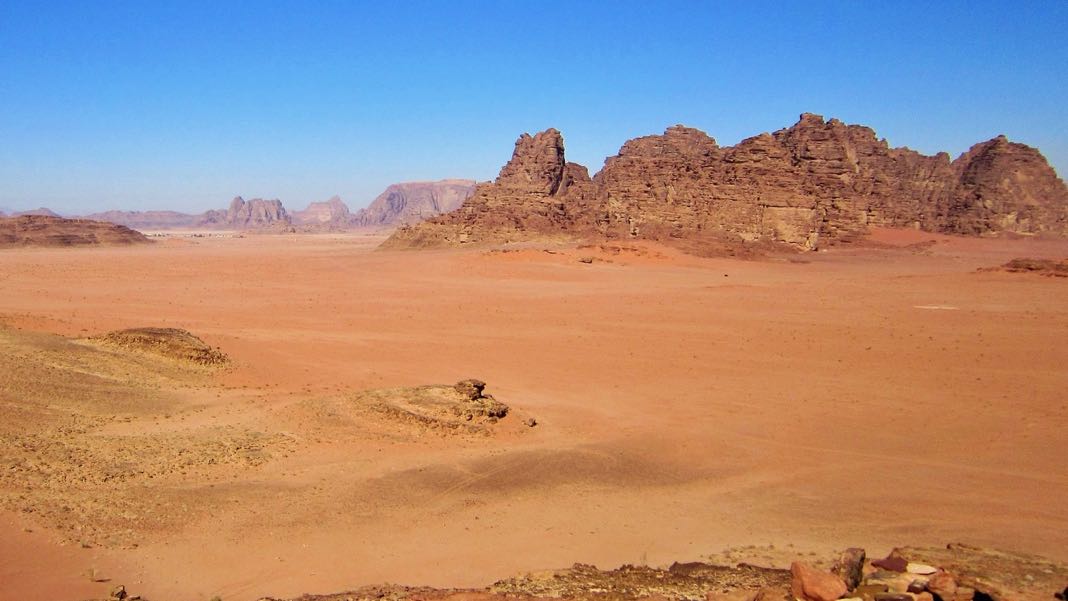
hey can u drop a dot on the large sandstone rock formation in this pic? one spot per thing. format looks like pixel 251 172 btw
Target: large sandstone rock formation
pixel 43 230
pixel 242 214
pixel 816 182
pixel 412 202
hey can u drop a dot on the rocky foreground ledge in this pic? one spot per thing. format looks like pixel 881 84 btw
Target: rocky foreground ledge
pixel 954 573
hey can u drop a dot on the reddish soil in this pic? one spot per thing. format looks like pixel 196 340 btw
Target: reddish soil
pixel 868 395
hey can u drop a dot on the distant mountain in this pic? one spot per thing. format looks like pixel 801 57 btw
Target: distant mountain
pixel 411 202
pixel 148 220
pixel 40 212
pixel 331 213
pixel 251 214
pixel 400 204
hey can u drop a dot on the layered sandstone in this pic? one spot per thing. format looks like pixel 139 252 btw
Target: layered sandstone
pixel 412 202
pixel 814 183
pixel 43 230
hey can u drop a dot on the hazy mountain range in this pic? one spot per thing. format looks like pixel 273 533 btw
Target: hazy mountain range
pixel 400 204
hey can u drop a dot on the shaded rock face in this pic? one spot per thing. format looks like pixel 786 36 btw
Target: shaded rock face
pixel 242 214
pixel 537 192
pixel 813 183
pixel 412 202
pixel 41 230
pixel 332 212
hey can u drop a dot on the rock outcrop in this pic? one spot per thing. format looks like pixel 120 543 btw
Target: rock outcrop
pixel 814 183
pixel 171 343
pixel 412 202
pixel 42 230
pixel 242 214
pixel 331 214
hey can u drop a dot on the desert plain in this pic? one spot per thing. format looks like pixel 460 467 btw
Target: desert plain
pixel 876 394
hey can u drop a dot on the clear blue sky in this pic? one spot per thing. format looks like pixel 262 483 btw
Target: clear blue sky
pixel 184 104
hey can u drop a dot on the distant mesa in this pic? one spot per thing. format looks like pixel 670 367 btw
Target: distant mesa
pixel 813 184
pixel 39 212
pixel 43 230
pixel 330 213
pixel 412 202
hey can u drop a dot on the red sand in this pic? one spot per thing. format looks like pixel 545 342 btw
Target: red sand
pixel 862 396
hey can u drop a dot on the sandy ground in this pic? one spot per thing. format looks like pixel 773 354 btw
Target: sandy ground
pixel 868 396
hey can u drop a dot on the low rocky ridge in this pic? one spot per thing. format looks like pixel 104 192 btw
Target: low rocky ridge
pixel 815 183
pixel 172 343
pixel 1045 267
pixel 954 573
pixel 42 230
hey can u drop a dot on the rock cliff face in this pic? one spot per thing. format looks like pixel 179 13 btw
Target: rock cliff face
pixel 44 230
pixel 242 214
pixel 331 213
pixel 411 202
pixel 814 183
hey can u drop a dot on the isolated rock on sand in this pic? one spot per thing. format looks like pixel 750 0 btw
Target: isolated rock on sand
pixel 462 407
pixel 172 343
pixel 810 584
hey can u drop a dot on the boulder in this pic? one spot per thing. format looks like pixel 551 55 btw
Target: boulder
pixel 850 567
pixel 809 584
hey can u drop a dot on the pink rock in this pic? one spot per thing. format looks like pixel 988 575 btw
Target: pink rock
pixel 810 584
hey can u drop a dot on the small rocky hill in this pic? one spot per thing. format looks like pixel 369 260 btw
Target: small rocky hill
pixel 815 183
pixel 41 230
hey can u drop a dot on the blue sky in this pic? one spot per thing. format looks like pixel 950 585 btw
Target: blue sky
pixel 183 105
